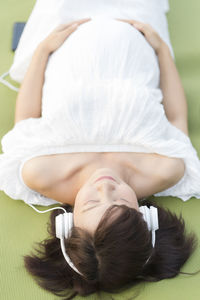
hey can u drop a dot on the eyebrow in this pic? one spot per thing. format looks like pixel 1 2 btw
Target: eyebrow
pixel 98 205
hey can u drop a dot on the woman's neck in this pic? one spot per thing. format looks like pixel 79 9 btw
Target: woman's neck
pixel 119 167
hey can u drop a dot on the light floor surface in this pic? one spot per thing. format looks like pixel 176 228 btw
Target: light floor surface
pixel 21 226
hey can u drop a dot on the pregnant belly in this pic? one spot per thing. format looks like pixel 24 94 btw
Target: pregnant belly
pixel 105 48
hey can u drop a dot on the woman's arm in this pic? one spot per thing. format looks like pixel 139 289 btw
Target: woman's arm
pixel 28 103
pixel 174 100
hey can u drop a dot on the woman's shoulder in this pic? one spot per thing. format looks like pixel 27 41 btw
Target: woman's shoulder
pixel 174 169
pixel 158 173
pixel 48 175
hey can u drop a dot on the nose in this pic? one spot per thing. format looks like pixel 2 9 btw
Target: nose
pixel 106 185
pixel 106 189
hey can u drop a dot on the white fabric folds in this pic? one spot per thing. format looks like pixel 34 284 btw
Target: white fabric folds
pixel 47 14
pixel 101 94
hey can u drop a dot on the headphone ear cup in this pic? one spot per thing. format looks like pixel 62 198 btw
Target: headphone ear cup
pixel 154 217
pixel 63 223
pixel 146 215
pixel 68 223
pixel 70 218
pixel 59 226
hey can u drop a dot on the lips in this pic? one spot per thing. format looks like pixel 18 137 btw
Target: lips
pixel 105 177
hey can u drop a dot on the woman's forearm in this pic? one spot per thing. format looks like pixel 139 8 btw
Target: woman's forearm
pixel 174 99
pixel 28 103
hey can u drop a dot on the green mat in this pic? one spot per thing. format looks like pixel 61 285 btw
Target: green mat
pixel 21 226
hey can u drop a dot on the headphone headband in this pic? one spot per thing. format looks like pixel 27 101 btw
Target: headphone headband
pixel 64 224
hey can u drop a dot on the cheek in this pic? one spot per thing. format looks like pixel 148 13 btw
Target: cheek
pixel 128 191
pixel 77 203
pixel 86 192
pixel 81 197
pixel 133 194
pixel 129 194
pixel 80 194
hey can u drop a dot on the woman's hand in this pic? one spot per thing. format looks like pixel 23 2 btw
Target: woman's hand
pixel 57 37
pixel 150 34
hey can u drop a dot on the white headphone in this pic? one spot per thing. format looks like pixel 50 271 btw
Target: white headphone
pixel 150 215
pixel 64 224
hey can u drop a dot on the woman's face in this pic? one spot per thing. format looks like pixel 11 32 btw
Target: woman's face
pixel 95 197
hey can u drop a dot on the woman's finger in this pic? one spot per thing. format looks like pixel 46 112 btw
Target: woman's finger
pixel 67 25
pixel 123 20
pixel 138 25
pixel 80 21
pixel 133 22
pixel 67 31
pixel 70 29
pixel 127 21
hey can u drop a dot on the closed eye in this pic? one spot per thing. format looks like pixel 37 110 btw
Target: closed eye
pixel 91 207
pixel 98 200
pixel 93 201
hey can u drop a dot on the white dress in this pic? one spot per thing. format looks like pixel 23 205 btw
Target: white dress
pixel 101 94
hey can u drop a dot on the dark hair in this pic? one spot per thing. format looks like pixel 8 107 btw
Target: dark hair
pixel 113 258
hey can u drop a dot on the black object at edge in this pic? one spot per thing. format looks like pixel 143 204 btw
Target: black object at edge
pixel 18 28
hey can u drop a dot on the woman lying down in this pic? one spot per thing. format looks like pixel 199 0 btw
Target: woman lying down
pixel 100 126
